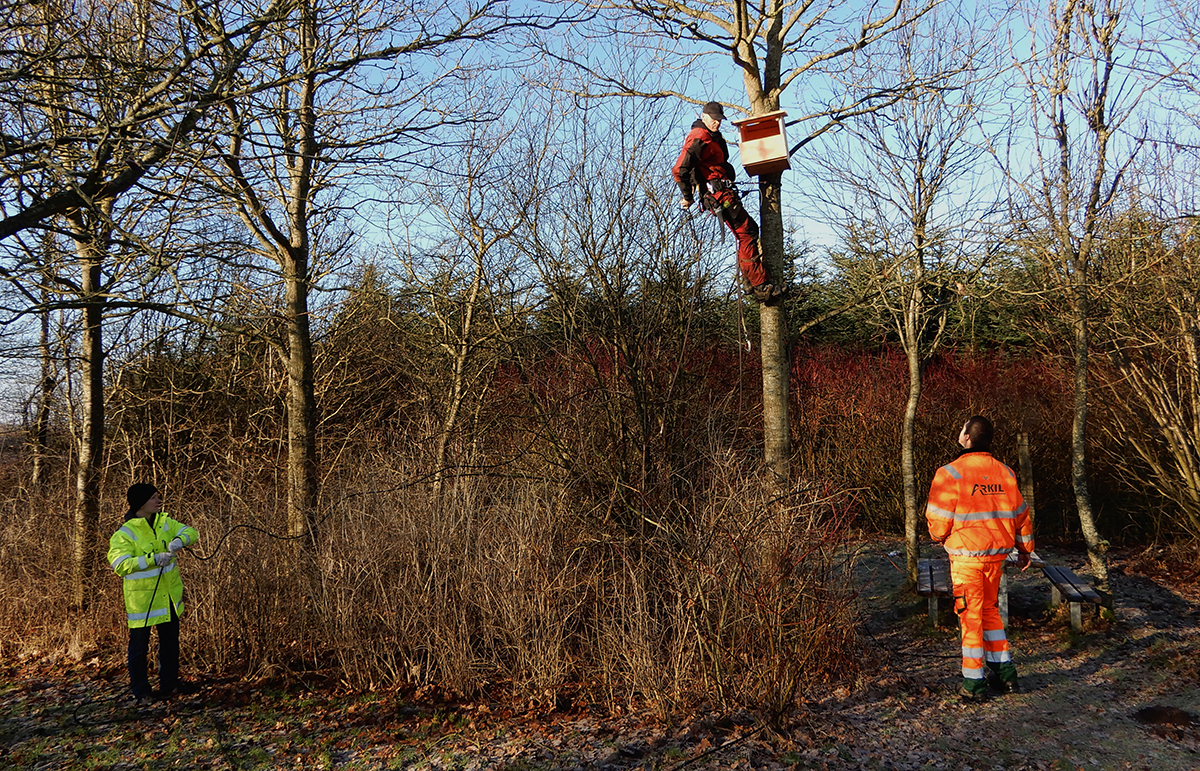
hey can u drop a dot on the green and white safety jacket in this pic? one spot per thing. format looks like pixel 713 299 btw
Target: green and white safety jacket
pixel 149 590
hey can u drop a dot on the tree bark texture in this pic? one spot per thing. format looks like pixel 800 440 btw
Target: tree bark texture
pixel 303 471
pixel 912 519
pixel 776 368
pixel 90 248
pixel 1097 547
pixel 303 482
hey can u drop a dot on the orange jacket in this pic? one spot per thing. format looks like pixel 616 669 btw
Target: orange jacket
pixel 976 510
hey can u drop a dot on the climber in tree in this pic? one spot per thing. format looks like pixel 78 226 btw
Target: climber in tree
pixel 703 165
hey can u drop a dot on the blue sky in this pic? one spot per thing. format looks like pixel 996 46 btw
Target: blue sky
pixel 711 76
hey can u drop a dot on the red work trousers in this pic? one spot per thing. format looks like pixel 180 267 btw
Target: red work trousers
pixel 727 205
pixel 976 589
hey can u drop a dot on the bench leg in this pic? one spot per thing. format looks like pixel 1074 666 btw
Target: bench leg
pixel 1055 596
pixel 1002 599
pixel 933 610
pixel 1076 617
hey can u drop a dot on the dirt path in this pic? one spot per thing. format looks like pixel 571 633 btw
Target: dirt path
pixel 1080 692
pixel 1077 711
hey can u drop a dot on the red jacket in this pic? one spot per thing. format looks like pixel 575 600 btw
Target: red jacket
pixel 976 510
pixel 704 158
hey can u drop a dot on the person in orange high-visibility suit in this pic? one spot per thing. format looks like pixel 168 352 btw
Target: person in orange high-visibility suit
pixel 977 512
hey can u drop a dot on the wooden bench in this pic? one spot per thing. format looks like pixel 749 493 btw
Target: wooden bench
pixel 1065 586
pixel 933 581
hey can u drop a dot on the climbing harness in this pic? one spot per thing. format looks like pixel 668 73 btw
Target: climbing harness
pixel 714 206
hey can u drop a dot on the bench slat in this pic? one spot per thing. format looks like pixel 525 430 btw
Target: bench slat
pixel 1072 587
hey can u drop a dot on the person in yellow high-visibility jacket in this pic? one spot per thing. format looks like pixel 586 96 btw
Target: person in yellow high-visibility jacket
pixel 142 552
pixel 976 510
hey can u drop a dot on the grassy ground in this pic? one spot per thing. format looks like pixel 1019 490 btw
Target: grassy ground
pixel 1078 711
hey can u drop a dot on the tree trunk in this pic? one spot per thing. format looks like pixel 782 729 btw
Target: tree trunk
pixel 90 249
pixel 775 362
pixel 303 472
pixel 908 463
pixel 303 480
pixel 1097 547
pixel 40 438
pixel 460 352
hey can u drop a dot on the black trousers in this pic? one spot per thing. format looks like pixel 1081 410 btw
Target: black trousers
pixel 168 656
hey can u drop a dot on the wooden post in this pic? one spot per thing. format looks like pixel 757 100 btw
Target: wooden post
pixel 1025 483
pixel 1075 608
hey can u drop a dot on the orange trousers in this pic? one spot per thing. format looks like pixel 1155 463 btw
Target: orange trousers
pixel 976 589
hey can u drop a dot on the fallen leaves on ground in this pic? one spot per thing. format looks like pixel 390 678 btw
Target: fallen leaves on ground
pixel 1091 701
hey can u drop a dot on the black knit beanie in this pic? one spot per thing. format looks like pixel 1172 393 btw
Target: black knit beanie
pixel 138 495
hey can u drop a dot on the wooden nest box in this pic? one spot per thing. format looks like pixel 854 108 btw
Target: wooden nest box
pixel 763 143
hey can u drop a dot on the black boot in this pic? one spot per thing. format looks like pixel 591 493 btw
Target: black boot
pixel 973 691
pixel 1002 678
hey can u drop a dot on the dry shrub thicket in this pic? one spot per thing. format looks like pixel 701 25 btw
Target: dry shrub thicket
pixel 567 557
pixel 573 552
pixel 501 585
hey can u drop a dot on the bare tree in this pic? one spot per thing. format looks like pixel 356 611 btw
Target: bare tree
pixel 470 284
pixel 336 105
pixel 79 78
pixel 623 290
pixel 774 46
pixel 908 211
pixel 48 378
pixel 1151 331
pixel 139 78
pixel 1081 94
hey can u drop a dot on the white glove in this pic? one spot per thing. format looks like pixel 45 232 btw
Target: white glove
pixel 175 545
pixel 163 558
